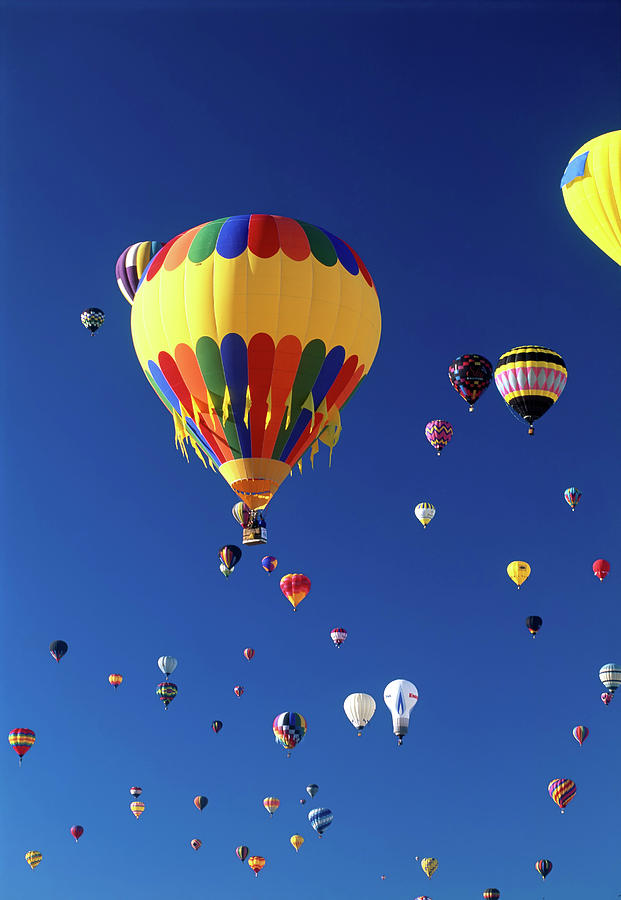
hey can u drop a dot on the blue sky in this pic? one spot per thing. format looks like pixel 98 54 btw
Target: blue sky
pixel 432 138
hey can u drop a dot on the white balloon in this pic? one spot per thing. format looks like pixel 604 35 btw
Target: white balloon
pixel 359 709
pixel 610 676
pixel 400 697
pixel 167 664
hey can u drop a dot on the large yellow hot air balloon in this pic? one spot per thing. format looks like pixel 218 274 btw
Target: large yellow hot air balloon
pixel 591 188
pixel 254 331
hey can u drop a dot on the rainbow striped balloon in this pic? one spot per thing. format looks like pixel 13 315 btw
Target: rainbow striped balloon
pixel 562 790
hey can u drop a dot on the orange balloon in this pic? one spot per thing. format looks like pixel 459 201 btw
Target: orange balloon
pixel 295 588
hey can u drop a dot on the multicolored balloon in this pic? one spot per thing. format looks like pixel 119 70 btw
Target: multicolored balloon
pixel 601 568
pixel 429 865
pixel 610 676
pixel 269 563
pixel 470 375
pixel 591 188
pixel 230 555
pixel 135 791
pixel 581 733
pixel 562 790
pixel 92 319
pixel 200 802
pixel 242 852
pixel 572 495
pixel 606 698
pixel 195 844
pixel 296 841
pixel 518 571
pixel 33 858
pixel 115 680
pixel 21 740
pixel 241 514
pixel 295 588
pixel 289 728
pixel 320 819
pixel 256 863
pixel 238 690
pixel 359 709
pixel 248 652
pixel 132 264
pixel 339 636
pixel 254 376
pixel 58 649
pixel 438 432
pixel 534 623
pixel 491 894
pixel 530 380
pixel 544 867
pixel 424 512
pixel 166 691
pixel 77 831
pixel 137 807
pixel 271 804
pixel 216 725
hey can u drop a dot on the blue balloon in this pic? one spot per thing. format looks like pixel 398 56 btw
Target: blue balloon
pixel 320 819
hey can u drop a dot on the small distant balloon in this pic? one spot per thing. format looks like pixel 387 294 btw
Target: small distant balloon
pixel 581 733
pixel 135 791
pixel 238 689
pixel 518 571
pixel 248 652
pixel 241 852
pixel 339 636
pixel 167 665
pixel 196 844
pixel 610 676
pixel 562 790
pixel 470 375
pixel 296 841
pixel 216 725
pixel 200 802
pixel 225 570
pixel 359 709
pixel 21 740
pixel 530 380
pixel 311 789
pixel 429 865
pixel 166 691
pixel 33 858
pixel 534 623
pixel 271 804
pixel 230 555
pixel 320 819
pixel 424 512
pixel 137 807
pixel 601 568
pixel 544 867
pixel 115 680
pixel 295 587
pixel 606 698
pixel 438 432
pixel 241 514
pixel 491 894
pixel 58 649
pixel 77 831
pixel 92 319
pixel 572 495
pixel 256 863
pixel 269 563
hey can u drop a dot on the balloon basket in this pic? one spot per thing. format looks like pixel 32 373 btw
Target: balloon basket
pixel 256 535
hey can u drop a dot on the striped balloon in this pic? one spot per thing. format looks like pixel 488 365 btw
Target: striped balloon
pixel 248 652
pixel 115 680
pixel 320 819
pixel 424 512
pixel 196 844
pixel 610 676
pixel 271 804
pixel 256 863
pixel 242 852
pixel 438 432
pixel 530 380
pixel 33 858
pixel 491 894
pixel 544 867
pixel 137 807
pixel 21 740
pixel 132 264
pixel 562 790
pixel 581 733
pixel 572 495
pixel 166 691
pixel 289 728
pixel 295 587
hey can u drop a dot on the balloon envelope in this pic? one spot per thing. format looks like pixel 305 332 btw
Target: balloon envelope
pixel 137 807
pixel 289 728
pixel 33 858
pixel 424 512
pixel 115 679
pixel 21 740
pixel 470 375
pixel 92 318
pixel 242 852
pixel 271 804
pixel 544 867
pixel 601 568
pixel 269 563
pixel 581 733
pixel 610 676
pixel 135 791
pixel 58 649
pixel 438 432
pixel 77 831
pixel 400 697
pixel 200 802
pixel 429 865
pixel 572 496
pixel 296 840
pixel 518 571
pixel 167 664
pixel 295 587
pixel 230 555
pixel 359 709
pixel 530 380
pixel 166 691
pixel 311 789
pixel 320 819
pixel 562 790
pixel 256 863
pixel 339 636
pixel 196 844
pixel 534 623
pixel 216 725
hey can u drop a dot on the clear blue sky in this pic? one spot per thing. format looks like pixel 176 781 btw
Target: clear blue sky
pixel 432 138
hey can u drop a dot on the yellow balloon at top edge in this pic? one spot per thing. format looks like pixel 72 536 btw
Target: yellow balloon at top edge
pixel 591 188
pixel 518 571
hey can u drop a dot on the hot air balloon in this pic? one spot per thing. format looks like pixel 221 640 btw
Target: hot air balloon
pixel 135 791
pixel 534 623
pixel 311 790
pixel 241 514
pixel 21 740
pixel 254 330
pixel 269 563
pixel 303 801
pixel 606 698
pixel 296 841
pixel 359 709
pixel 137 807
pixel 248 652
pixel 295 588
pixel 200 802
pixel 238 690
pixel 77 831
pixel 167 665
pixel 601 568
pixel 422 898
pixel 33 858
pixel 530 380
pixel 271 804
pixel 92 319
pixel 256 863
pixel 562 790
pixel 424 512
pixel 132 264
pixel 581 733
pixel 544 867
pixel 491 894
pixel 166 691
pixel 591 188
pixel 195 844
pixel 58 649
pixel 518 571
pixel 320 819
pixel 572 495
pixel 438 432
pixel 115 680
pixel 429 865
pixel 470 375
pixel 230 556
pixel 242 852
pixel 289 728
pixel 216 725
pixel 400 697
pixel 339 636
pixel 610 676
